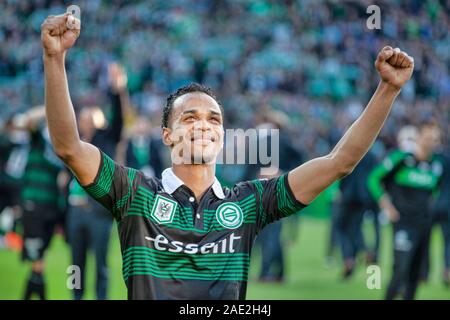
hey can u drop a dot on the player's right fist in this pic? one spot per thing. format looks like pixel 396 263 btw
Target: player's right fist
pixel 59 33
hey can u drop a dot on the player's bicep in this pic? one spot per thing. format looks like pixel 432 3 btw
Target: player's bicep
pixel 113 186
pixel 85 163
pixel 275 200
pixel 311 178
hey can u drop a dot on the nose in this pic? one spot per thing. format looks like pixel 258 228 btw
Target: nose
pixel 202 124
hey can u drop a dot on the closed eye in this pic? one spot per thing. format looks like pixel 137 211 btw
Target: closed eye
pixel 215 120
pixel 189 118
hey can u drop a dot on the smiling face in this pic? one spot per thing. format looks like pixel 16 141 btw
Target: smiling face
pixel 195 129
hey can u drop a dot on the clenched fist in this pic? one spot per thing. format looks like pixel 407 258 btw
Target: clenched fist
pixel 59 33
pixel 394 66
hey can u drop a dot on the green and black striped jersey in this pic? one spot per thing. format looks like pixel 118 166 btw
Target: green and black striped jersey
pixel 39 182
pixel 174 247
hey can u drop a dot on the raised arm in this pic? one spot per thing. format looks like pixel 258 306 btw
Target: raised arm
pixel 310 179
pixel 119 98
pixel 29 120
pixel 82 158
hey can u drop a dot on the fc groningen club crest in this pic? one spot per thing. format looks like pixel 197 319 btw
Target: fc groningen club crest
pixel 229 215
pixel 163 210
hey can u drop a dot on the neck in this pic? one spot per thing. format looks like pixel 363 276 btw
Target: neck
pixel 421 154
pixel 198 177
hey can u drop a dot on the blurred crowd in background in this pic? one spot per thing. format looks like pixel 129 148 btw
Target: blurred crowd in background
pixel 310 59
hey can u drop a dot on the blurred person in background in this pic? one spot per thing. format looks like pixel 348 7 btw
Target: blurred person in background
pixel 441 216
pixel 333 237
pixel 440 211
pixel 41 198
pixel 403 186
pixel 270 239
pixel 230 173
pixel 7 145
pixel 144 149
pixel 355 201
pixel 14 150
pixel 88 223
pixel 407 138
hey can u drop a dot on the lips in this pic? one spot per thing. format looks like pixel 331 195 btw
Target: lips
pixel 203 138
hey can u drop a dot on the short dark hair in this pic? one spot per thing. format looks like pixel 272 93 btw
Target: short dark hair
pixel 428 122
pixel 192 87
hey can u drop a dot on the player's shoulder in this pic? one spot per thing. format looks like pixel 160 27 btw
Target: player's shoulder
pixel 147 182
pixel 399 154
pixel 255 186
pixel 129 176
pixel 241 189
pixel 395 157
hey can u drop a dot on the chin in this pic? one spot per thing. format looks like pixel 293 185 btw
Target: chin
pixel 203 154
pixel 203 158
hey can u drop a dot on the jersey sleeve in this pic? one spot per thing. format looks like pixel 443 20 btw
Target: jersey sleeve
pixel 114 186
pixel 275 200
pixel 381 171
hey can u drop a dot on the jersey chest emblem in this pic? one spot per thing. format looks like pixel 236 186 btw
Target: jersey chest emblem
pixel 229 215
pixel 163 209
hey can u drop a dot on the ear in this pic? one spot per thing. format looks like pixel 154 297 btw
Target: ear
pixel 166 137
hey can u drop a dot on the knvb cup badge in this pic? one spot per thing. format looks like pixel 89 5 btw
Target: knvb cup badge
pixel 163 210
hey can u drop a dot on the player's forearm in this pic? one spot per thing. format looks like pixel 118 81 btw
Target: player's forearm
pixel 361 135
pixel 60 114
pixel 114 130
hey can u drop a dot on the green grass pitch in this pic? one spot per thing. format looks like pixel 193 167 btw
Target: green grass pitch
pixel 307 277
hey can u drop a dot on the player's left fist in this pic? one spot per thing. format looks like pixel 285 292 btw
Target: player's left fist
pixel 394 66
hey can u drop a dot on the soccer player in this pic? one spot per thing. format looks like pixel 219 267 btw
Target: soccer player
pixel 143 150
pixel 355 202
pixel 184 236
pixel 13 157
pixel 441 216
pixel 41 199
pixel 403 185
pixel 88 223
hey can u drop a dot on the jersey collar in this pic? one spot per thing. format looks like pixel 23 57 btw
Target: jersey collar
pixel 171 183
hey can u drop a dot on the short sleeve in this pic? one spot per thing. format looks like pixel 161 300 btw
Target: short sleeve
pixel 114 186
pixel 276 200
pixel 376 177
